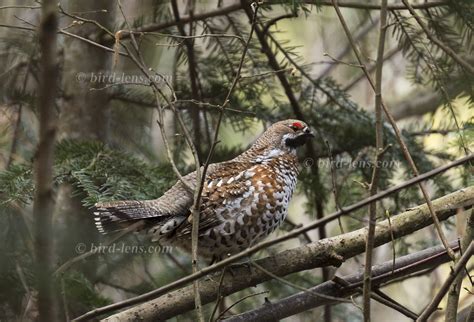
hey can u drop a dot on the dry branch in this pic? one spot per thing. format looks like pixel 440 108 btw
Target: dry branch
pixel 455 290
pixel 300 302
pixel 458 268
pixel 318 254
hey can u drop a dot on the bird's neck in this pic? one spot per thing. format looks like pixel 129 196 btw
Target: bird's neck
pixel 258 154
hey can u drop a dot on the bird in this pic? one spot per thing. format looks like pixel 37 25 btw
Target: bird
pixel 243 200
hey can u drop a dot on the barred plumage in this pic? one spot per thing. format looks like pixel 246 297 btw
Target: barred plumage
pixel 243 200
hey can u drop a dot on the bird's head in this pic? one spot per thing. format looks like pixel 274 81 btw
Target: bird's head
pixel 286 135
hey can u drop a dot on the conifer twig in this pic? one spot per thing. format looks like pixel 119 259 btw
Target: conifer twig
pixel 448 50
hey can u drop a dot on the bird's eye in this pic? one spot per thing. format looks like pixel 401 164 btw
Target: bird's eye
pixel 294 128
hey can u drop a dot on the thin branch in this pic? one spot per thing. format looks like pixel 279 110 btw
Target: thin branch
pixel 293 234
pixel 378 155
pixel 396 129
pixel 140 63
pixel 381 298
pixel 273 21
pixel 373 6
pixel 370 69
pixel 20 7
pixel 93 43
pixel 255 7
pixel 298 287
pixel 195 212
pixel 361 32
pixel 64 267
pixel 394 255
pixel 239 301
pixel 458 268
pixel 193 77
pixel 219 296
pixel 455 289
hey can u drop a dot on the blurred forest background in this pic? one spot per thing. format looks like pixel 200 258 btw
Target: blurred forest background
pixel 299 64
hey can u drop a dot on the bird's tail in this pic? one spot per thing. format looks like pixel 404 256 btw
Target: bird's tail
pixel 119 215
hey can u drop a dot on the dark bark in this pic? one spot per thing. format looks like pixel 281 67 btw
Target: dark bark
pixel 43 162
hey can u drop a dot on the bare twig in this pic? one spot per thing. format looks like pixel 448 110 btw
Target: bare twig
pixel 273 21
pixel 215 267
pixel 239 301
pixel 390 53
pixel 93 43
pixel 455 289
pixel 298 287
pixel 381 298
pixel 376 171
pixel 219 296
pixel 361 32
pixel 193 77
pixel 195 115
pixel 458 268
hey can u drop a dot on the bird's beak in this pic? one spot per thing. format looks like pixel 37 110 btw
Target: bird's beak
pixel 308 133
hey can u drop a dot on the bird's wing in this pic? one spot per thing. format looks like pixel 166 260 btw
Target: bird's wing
pixel 224 182
pixel 227 183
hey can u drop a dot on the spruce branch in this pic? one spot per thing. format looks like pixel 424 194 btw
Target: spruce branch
pixel 448 50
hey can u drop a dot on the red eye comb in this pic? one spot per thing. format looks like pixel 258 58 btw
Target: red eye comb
pixel 298 125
